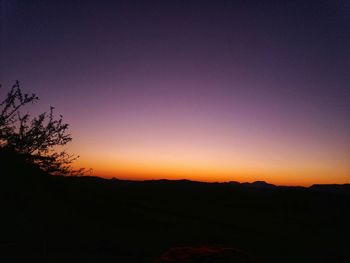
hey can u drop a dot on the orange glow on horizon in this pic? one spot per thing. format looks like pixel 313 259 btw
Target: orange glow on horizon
pixel 142 171
pixel 208 151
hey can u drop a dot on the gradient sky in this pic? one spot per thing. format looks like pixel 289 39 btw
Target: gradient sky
pixel 204 90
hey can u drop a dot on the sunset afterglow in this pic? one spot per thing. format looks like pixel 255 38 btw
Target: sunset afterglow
pixel 191 91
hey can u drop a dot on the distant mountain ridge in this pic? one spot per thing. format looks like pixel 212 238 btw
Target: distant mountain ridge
pixel 325 188
pixel 332 188
pixel 259 184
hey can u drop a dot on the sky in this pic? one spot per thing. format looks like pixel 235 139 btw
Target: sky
pixel 201 90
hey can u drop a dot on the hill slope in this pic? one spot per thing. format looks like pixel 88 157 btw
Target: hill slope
pixel 88 219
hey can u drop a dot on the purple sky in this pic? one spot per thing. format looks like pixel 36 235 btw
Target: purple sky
pixel 212 90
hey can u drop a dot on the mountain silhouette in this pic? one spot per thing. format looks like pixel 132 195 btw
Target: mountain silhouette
pixel 259 184
pixel 90 219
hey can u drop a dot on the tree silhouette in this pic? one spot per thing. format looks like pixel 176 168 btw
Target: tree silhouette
pixel 37 140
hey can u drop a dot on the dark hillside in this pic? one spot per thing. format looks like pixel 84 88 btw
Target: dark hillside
pixel 89 219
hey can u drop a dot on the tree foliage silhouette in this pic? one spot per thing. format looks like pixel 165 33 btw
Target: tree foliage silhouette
pixel 37 140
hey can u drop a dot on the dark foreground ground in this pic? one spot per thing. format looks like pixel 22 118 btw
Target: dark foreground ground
pixel 82 219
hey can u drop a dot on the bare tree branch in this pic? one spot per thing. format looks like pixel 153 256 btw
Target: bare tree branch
pixel 38 139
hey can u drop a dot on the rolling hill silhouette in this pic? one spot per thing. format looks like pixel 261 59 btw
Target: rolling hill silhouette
pixel 91 219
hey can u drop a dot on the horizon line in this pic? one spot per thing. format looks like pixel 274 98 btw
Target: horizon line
pixel 208 182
